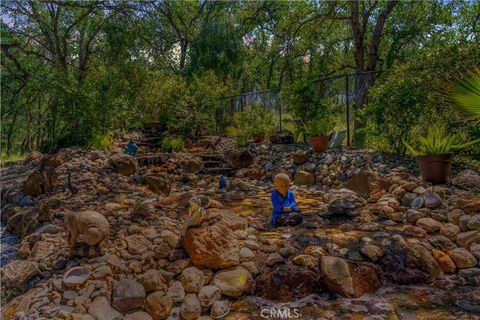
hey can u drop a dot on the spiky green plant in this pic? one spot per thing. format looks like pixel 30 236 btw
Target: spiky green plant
pixel 318 127
pixel 466 94
pixel 438 141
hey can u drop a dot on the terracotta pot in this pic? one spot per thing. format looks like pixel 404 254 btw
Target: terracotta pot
pixel 320 143
pixel 435 168
pixel 259 137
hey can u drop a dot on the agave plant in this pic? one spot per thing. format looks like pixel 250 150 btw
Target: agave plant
pixel 466 94
pixel 438 141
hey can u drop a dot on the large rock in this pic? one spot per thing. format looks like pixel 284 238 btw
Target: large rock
pixel 152 280
pixel 366 183
pixel 124 164
pixel 430 225
pixel 432 200
pixel 158 305
pixel 158 182
pixel 101 310
pixel 463 259
pixel 191 165
pixel 426 261
pixel 192 279
pixel 465 239
pixel 24 222
pixel 127 295
pixel 190 308
pixel 348 278
pixel 283 137
pixel 287 283
pixel 15 277
pixel 444 261
pixel 208 295
pixel 233 282
pixel 40 182
pixel 212 246
pixel 304 178
pixel 299 157
pixel 240 159
pixel 467 179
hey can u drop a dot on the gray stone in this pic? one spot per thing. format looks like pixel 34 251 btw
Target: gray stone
pixel 190 308
pixel 432 200
pixel 101 310
pixel 127 295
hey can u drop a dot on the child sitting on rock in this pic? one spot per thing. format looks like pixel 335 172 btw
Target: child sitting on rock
pixel 285 211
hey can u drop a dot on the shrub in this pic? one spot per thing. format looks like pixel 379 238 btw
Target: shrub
pixel 252 121
pixel 101 142
pixel 173 144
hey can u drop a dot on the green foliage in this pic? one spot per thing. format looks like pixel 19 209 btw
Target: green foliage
pixel 254 120
pixel 173 144
pixel 318 127
pixel 466 94
pixel 438 141
pixel 101 142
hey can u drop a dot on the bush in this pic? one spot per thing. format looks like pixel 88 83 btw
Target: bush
pixel 173 144
pixel 101 142
pixel 254 120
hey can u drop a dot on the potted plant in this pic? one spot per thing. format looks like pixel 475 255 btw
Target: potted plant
pixel 434 152
pixel 318 131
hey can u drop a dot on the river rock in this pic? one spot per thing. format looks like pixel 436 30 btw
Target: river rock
pixel 463 259
pixel 470 206
pixel 373 252
pixel 158 182
pixel 273 259
pixel 367 183
pixel 450 231
pixel 304 178
pixel 432 200
pixel 444 261
pixel 137 244
pixel 233 282
pixel 127 295
pixel 442 242
pixel 101 310
pixel 408 198
pixel 429 225
pixel 471 275
pixel 75 277
pixel 214 246
pixel 176 292
pixel 287 283
pixel 465 239
pixel 347 278
pixel 474 222
pixel 454 216
pixel 220 309
pixel 192 279
pixel 208 295
pixel 124 164
pixel 467 179
pixel 158 305
pixel 190 308
pixel 240 159
pixel 427 262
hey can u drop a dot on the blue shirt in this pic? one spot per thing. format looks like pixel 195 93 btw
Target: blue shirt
pixel 279 202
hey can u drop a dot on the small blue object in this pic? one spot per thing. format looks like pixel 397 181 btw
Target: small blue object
pixel 131 148
pixel 223 182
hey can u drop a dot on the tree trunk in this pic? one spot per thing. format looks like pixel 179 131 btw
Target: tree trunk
pixel 183 53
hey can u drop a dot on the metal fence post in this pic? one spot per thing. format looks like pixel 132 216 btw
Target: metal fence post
pixel 348 109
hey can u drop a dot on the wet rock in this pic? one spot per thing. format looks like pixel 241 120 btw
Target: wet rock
pixel 467 179
pixel 40 182
pixel 158 182
pixel 287 283
pixel 214 246
pixel 124 164
pixel 240 159
pixel 75 277
pixel 158 305
pixel 137 244
pixel 101 310
pixel 367 183
pixel 191 165
pixel 220 309
pixel 429 225
pixel 208 295
pixel 127 295
pixel 190 308
pixel 192 279
pixel 444 261
pixel 304 178
pixel 233 282
pixel 463 259
pixel 347 278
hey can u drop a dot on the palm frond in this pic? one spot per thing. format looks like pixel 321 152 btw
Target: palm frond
pixel 466 94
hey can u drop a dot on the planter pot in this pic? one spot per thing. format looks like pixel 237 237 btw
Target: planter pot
pixel 320 143
pixel 435 168
pixel 259 138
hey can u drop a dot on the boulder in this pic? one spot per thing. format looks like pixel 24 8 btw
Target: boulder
pixel 190 308
pixel 101 310
pixel 287 283
pixel 299 157
pixel 158 305
pixel 304 178
pixel 214 246
pixel 366 183
pixel 127 295
pixel 192 279
pixel 208 295
pixel 16 276
pixel 347 278
pixel 240 159
pixel 32 156
pixel 40 182
pixel 124 164
pixel 158 182
pixel 233 282
pixel 191 165
pixel 467 179
pixel 283 137
pixel 463 259
pixel 429 225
